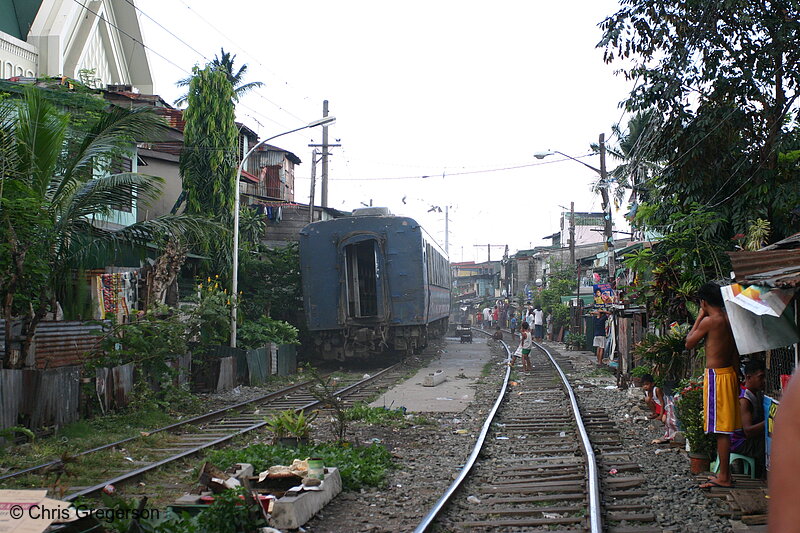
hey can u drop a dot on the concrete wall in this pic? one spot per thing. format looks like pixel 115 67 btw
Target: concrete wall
pixel 17 58
pixel 164 166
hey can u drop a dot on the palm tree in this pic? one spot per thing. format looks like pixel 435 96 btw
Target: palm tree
pixel 55 194
pixel 224 62
pixel 633 150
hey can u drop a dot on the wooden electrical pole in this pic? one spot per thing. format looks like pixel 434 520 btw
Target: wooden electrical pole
pixel 324 197
pixel 313 185
pixel 489 250
pixel 572 233
pixel 608 230
pixel 323 201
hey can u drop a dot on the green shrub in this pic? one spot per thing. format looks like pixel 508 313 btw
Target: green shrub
pixel 374 415
pixel 641 370
pixel 291 423
pixel 574 340
pixel 257 333
pixel 666 354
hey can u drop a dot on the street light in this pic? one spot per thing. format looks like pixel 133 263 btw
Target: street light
pixel 603 186
pixel 324 121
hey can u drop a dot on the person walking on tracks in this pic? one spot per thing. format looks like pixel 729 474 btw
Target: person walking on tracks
pixel 721 414
pixel 526 344
pixel 538 323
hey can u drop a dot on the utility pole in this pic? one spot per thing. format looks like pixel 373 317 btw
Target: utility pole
pixel 489 250
pixel 323 201
pixel 324 198
pixel 608 231
pixel 446 231
pixel 571 233
pixel 313 185
pixel 507 272
pixel 325 145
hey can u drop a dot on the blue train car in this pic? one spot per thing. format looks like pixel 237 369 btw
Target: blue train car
pixel 372 283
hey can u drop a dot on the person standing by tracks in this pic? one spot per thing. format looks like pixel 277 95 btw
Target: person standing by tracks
pixel 721 414
pixel 538 323
pixel 599 341
pixel 525 345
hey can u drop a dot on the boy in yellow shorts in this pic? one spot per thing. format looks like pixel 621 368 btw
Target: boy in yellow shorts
pixel 721 385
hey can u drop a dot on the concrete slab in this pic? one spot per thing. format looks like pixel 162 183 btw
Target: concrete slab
pixel 461 364
pixel 291 512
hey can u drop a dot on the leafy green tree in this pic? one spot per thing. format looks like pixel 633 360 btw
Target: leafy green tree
pixel 209 160
pixel 252 227
pixel 270 281
pixel 56 189
pixel 224 63
pixel 634 170
pixel 715 78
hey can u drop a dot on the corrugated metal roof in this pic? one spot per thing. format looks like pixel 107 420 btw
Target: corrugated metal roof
pixel 789 242
pixel 61 343
pixel 772 268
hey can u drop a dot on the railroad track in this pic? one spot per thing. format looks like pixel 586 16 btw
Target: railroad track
pixel 542 463
pixel 193 435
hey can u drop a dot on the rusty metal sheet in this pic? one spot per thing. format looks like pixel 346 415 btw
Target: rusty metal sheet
pixel 60 343
pixel 182 365
pixel 10 397
pixel 123 384
pixel 227 373
pixel 774 268
pixel 103 387
pixel 51 397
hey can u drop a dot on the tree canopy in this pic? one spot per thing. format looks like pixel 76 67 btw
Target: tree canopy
pixel 58 192
pixel 719 85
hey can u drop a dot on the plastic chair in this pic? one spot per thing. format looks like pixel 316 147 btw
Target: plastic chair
pixel 749 464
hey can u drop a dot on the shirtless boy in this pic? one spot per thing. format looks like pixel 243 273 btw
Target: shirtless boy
pixel 721 385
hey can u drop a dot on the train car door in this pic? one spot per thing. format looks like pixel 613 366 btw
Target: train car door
pixel 364 279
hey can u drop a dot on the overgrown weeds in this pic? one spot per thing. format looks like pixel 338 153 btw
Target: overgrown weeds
pixel 359 466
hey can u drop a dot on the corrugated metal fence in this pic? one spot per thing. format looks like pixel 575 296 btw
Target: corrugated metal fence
pixel 39 398
pixel 49 397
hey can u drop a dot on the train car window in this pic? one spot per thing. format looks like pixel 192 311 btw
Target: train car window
pixel 362 277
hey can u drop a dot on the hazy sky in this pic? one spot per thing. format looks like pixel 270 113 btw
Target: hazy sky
pixel 419 88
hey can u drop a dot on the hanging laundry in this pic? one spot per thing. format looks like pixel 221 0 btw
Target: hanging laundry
pixel 279 214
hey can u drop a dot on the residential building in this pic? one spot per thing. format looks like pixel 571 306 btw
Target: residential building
pixel 473 280
pixel 589 228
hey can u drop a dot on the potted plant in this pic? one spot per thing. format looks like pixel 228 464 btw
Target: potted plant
pixel 689 410
pixel 666 355
pixel 638 373
pixel 290 428
pixel 574 341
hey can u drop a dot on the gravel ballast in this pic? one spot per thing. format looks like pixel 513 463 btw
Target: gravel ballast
pixel 429 456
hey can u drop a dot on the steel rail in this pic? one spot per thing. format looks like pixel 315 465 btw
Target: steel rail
pixel 465 470
pixel 186 453
pixel 593 482
pixel 199 418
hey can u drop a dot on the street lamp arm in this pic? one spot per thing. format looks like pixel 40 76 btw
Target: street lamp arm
pixel 324 121
pixel 262 143
pixel 578 161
